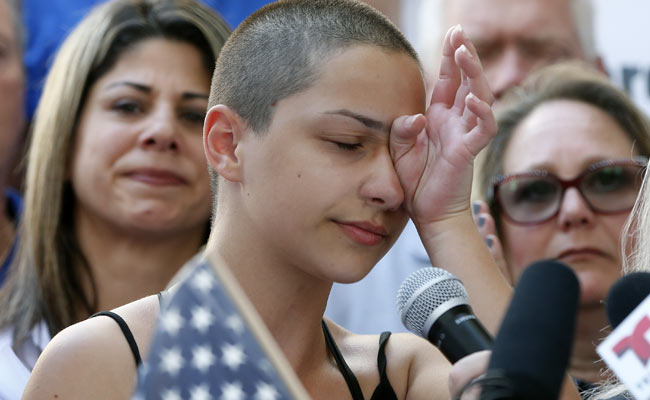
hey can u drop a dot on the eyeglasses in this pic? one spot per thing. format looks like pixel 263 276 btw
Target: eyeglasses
pixel 608 187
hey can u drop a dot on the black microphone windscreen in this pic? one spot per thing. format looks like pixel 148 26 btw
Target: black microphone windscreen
pixel 625 295
pixel 533 346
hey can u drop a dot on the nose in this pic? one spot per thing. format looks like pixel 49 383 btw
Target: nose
pixel 507 71
pixel 574 211
pixel 160 132
pixel 382 188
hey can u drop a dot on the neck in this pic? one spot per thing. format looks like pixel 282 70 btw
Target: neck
pixel 126 267
pixel 290 302
pixel 585 362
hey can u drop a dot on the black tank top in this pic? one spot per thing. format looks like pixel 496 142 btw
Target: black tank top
pixel 126 331
pixel 384 390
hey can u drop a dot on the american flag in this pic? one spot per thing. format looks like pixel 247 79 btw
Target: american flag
pixel 203 349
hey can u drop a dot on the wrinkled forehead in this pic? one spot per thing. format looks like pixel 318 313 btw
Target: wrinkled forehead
pixel 564 137
pixel 527 19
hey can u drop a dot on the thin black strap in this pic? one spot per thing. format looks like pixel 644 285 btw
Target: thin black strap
pixel 384 390
pixel 160 296
pixel 127 334
pixel 350 379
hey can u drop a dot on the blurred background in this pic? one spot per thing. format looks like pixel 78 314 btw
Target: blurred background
pixel 621 34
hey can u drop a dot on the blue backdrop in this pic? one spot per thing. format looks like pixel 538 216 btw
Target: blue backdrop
pixel 47 22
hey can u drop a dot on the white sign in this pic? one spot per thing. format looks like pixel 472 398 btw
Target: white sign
pixel 627 351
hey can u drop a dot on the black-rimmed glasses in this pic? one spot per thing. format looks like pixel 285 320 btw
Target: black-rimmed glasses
pixel 608 187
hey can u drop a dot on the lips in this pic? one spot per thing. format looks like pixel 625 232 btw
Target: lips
pixel 580 252
pixel 363 232
pixel 156 177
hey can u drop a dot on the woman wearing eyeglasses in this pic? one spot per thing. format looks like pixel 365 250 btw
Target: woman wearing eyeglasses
pixel 561 178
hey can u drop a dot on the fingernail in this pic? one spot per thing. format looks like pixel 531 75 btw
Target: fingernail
pixel 489 242
pixel 481 221
pixel 476 208
pixel 465 50
pixel 412 120
pixel 459 28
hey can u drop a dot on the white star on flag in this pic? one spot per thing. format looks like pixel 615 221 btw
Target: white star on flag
pixel 266 392
pixel 202 358
pixel 203 281
pixel 233 356
pixel 235 323
pixel 171 361
pixel 202 319
pixel 171 394
pixel 203 349
pixel 232 391
pixel 200 392
pixel 171 321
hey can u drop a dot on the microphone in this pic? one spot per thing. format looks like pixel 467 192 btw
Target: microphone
pixel 626 349
pixel 532 349
pixel 625 295
pixel 434 304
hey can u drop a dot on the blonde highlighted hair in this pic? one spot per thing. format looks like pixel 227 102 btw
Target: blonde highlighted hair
pixel 635 242
pixel 45 281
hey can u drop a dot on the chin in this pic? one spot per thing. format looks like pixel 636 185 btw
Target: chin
pixel 593 289
pixel 349 272
pixel 160 223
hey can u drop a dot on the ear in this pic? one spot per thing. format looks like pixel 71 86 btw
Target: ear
pixel 222 133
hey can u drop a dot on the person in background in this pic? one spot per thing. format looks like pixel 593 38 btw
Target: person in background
pixel 636 258
pixel 117 195
pixel 12 126
pixel 319 160
pixel 513 37
pixel 561 177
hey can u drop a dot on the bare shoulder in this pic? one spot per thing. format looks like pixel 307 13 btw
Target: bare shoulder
pixel 414 367
pixel 92 359
pixel 426 368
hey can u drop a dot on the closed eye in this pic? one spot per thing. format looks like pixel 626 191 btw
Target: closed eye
pixel 348 146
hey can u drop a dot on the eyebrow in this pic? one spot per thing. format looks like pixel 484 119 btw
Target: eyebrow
pixel 147 89
pixel 367 121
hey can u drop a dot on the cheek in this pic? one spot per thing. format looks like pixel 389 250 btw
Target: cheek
pixel 196 154
pixel 99 142
pixel 95 154
pixel 523 245
pixel 613 226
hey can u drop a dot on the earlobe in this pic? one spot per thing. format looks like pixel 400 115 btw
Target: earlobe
pixel 221 135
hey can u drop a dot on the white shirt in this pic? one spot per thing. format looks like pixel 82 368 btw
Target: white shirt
pixel 15 368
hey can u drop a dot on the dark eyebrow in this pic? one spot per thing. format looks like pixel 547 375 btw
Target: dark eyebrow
pixel 147 89
pixel 137 86
pixel 192 95
pixel 367 121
